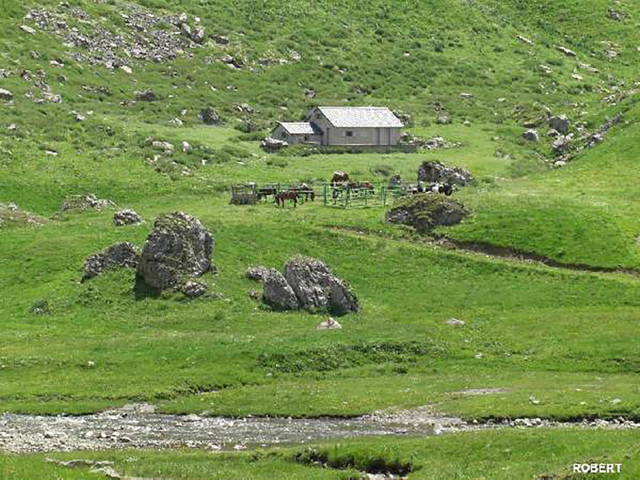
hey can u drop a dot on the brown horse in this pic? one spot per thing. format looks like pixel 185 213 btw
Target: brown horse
pixel 291 194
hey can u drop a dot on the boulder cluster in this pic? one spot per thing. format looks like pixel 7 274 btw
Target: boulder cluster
pixel 307 283
pixel 126 217
pixel 433 171
pixel 177 251
pixel 85 202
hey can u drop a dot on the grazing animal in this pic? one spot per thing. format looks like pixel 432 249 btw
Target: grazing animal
pixel 282 197
pixel 339 177
pixel 307 192
pixel 265 192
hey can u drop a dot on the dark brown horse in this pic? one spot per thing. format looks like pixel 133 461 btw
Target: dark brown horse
pixel 291 194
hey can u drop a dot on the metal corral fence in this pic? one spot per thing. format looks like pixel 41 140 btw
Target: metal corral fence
pixel 254 193
pixel 345 196
pixel 334 195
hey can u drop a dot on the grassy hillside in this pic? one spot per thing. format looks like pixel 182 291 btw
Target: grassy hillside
pixel 566 338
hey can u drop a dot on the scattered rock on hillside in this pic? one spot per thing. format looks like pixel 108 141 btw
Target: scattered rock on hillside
pixel 166 147
pixel 85 202
pixel 145 95
pixel 525 40
pixel 546 69
pixel 178 247
pixel 613 14
pixel 566 51
pixel 562 143
pixel 317 288
pixel 443 119
pixel 192 289
pixel 454 321
pixel 41 307
pixel 559 123
pixel 28 29
pixel 209 116
pixel 119 255
pixel 434 171
pixel 598 136
pixel 126 217
pixel 330 324
pixel 220 39
pixel 427 211
pixel 186 147
pixel 5 94
pixel 11 214
pixel 271 144
pixel 256 273
pixel 531 135
pixel 176 122
pixel 277 291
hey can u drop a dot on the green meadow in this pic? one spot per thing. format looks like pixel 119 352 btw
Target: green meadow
pixel 564 336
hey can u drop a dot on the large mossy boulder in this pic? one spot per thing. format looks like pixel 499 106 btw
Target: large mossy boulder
pixel 433 171
pixel 178 248
pixel 427 211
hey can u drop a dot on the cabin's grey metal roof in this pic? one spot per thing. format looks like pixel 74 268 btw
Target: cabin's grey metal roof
pixel 301 128
pixel 367 117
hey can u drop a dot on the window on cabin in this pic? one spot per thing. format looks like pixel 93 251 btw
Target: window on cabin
pixel 318 116
pixel 348 133
pixel 283 135
pixel 306 138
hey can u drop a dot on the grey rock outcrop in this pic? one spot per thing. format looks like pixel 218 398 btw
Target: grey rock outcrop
pixel 426 211
pixel 531 135
pixel 257 273
pixel 434 171
pixel 330 324
pixel 179 247
pixel 5 94
pixel 317 288
pixel 209 116
pixel 123 255
pixel 562 143
pixel 277 291
pixel 126 217
pixel 559 123
pixel 270 144
pixel 146 95
pixel 85 202
pixel 193 289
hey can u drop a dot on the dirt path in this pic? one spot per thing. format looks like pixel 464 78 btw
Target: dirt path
pixel 489 250
pixel 136 426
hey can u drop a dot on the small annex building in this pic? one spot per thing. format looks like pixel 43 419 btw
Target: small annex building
pixel 346 126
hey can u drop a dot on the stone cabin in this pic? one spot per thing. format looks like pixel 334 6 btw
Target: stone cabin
pixel 349 126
